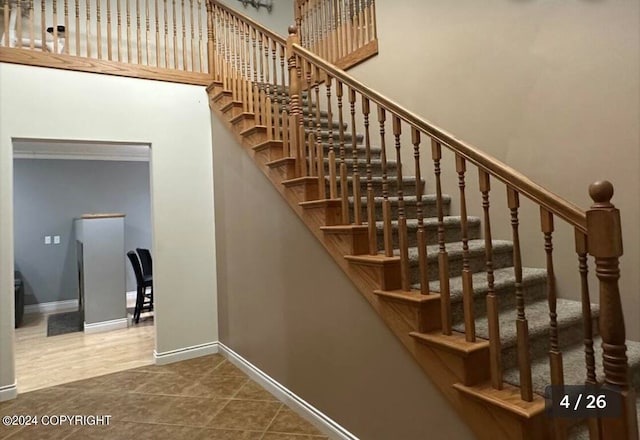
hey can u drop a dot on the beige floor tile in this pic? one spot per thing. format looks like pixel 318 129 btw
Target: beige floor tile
pixel 191 411
pixel 287 421
pixel 216 387
pixel 246 414
pixel 227 368
pixel 253 391
pixel 41 432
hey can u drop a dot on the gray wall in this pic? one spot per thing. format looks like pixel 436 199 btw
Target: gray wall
pixel 49 194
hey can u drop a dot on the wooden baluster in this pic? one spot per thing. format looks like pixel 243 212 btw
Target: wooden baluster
pixel 129 51
pixel 256 104
pixel 98 30
pixel 138 32
pixel 333 183
pixel 371 199
pixel 250 108
pixel 165 22
pixel 286 148
pixel 200 50
pixel 373 19
pixel 32 35
pixel 7 13
pixel 118 31
pixel 344 188
pixel 522 325
pixel 176 59
pixel 467 279
pixel 310 124
pixel 555 356
pixel 495 345
pixel 587 322
pixel 88 29
pixel 443 257
pixel 283 97
pixel 341 31
pixel 322 194
pixel 156 13
pixel 43 23
pixel 294 95
pixel 276 102
pixel 147 25
pixel 421 237
pixel 192 35
pixel 109 45
pixel 267 76
pixel 233 59
pixel 184 36
pixel 366 24
pixel 546 219
pixel 19 24
pixel 605 244
pixel 357 201
pixel 583 268
pixel 386 204
pixel 268 106
pixel 403 241
pixel 261 56
pixel 326 24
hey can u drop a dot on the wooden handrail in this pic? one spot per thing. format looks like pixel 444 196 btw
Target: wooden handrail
pixel 538 194
pixel 278 38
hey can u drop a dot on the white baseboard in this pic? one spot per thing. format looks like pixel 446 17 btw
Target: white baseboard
pixel 105 326
pixel 183 354
pixel 320 420
pixel 52 307
pixel 8 392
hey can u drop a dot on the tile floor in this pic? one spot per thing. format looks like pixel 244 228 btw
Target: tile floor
pixel 198 399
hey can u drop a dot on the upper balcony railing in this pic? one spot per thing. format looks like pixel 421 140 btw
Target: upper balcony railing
pixel 342 32
pixel 170 38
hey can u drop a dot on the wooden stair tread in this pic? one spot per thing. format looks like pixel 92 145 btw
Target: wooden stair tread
pixel 372 259
pixel 299 180
pixel 320 203
pixel 412 296
pixel 507 398
pixel 241 116
pixel 278 162
pixel 344 228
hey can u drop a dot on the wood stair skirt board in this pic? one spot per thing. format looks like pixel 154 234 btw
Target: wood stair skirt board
pixel 458 368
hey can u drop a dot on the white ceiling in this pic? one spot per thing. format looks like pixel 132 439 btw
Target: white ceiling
pixel 77 150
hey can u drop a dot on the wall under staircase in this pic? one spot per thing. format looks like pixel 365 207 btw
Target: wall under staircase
pixel 288 308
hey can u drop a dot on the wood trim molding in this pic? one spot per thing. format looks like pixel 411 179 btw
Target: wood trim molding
pixel 185 353
pixel 360 55
pixel 80 64
pixel 8 392
pixel 94 216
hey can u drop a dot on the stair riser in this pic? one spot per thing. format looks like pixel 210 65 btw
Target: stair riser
pixel 477 263
pixel 539 343
pixel 452 234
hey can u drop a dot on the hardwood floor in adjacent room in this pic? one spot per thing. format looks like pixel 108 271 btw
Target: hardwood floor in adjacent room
pixel 43 361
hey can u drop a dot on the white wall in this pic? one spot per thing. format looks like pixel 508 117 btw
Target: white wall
pixel 175 120
pixel 550 88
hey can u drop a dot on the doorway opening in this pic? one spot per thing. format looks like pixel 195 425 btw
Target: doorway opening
pixel 79 207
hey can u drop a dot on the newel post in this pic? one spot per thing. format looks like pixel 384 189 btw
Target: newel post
pixel 295 109
pixel 605 244
pixel 211 47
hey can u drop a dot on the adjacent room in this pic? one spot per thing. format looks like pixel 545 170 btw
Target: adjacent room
pixel 82 240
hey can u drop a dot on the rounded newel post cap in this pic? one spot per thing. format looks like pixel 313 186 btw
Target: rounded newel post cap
pixel 293 29
pixel 601 192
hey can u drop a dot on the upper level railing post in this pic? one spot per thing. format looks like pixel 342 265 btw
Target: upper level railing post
pixel 211 47
pixel 605 244
pixel 295 111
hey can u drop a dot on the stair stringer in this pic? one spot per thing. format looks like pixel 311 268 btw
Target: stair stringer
pixel 490 414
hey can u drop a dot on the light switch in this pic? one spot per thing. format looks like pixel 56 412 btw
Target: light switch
pixel 47 239
pixel 56 239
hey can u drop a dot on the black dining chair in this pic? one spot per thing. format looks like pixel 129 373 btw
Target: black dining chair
pixel 144 299
pixel 145 260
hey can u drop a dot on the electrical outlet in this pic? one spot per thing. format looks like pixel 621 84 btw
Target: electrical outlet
pixel 47 239
pixel 56 239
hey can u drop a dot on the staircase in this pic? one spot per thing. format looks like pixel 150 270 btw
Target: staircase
pixel 459 300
